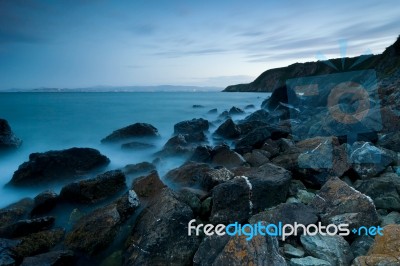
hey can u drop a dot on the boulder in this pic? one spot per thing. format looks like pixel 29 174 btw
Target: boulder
pixel 361 245
pixel 390 141
pixel 7 256
pixel 385 250
pixel 249 106
pixel 134 145
pixel 15 212
pixel 137 130
pixel 224 156
pixel 26 227
pixel 391 218
pixel 213 111
pixel 147 187
pixel 259 115
pixel 7 138
pixel 383 190
pixel 160 233
pixel 228 130
pixel 55 166
pixel 308 261
pixel 52 258
pixel 293 252
pixel 257 157
pixel 253 140
pixel 202 154
pixel 182 144
pixel 209 249
pixel 95 189
pixel 139 168
pixel 44 202
pixel 191 126
pixel 333 249
pixel 280 95
pixel 235 111
pixel 197 106
pixel 190 174
pixel 339 203
pixel 86 236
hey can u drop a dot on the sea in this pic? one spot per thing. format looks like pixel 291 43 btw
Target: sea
pixel 62 120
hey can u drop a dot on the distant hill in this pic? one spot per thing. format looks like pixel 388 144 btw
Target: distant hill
pixel 386 65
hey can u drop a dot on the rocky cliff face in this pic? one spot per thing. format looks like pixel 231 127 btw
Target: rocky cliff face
pixel 385 64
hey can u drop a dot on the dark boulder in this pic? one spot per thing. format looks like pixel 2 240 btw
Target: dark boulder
pixel 224 156
pixel 160 233
pixel 197 106
pixel 15 212
pixel 228 130
pixel 257 158
pixel 134 145
pixel 191 126
pixel 52 258
pixel 390 141
pixel 139 168
pixel 7 256
pixel 209 249
pixel 253 140
pixel 7 138
pixel 213 111
pixel 147 187
pixel 249 106
pixel 44 202
pixel 280 95
pixel 26 227
pixel 95 189
pixel 55 166
pixel 137 130
pixel 235 111
pixel 259 115
pixel 202 154
pixel 182 144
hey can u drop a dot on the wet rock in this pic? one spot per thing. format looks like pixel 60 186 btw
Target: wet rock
pixel 209 249
pixel 213 111
pixel 361 245
pixel 235 111
pixel 147 187
pixel 53 258
pixel 224 156
pixel 259 115
pixel 202 154
pixel 280 95
pixel 391 218
pixel 205 208
pixel 333 249
pixel 295 186
pixel 137 130
pixel 189 198
pixel 182 144
pixel 134 145
pixel 160 233
pixel 7 138
pixel 53 166
pixel 249 106
pixel 197 106
pixel 253 140
pixel 383 190
pixel 191 126
pixel 190 174
pixel 38 243
pixel 86 236
pixel 228 130
pixel 26 227
pixel 385 250
pixel 309 261
pixel 369 160
pixel 44 202
pixel 16 212
pixel 292 252
pixel 95 189
pixel 257 157
pixel 390 141
pixel 7 256
pixel 338 203
pixel 305 196
pixel 139 168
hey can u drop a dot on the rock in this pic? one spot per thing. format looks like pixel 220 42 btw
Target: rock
pixel 189 198
pixel 280 95
pixel 15 212
pixel 292 252
pixel 333 249
pixel 369 161
pixel 139 168
pixel 304 196
pixel 190 174
pixel 253 140
pixel 338 203
pixel 235 111
pixel 134 145
pixel 147 187
pixel 137 130
pixel 224 156
pixel 209 249
pixel 95 189
pixel 257 158
pixel 114 259
pixel 7 138
pixel 259 115
pixel 86 236
pixel 259 250
pixel 53 258
pixel 249 106
pixel 383 190
pixel 361 245
pixel 182 144
pixel 385 250
pixel 26 227
pixel 390 141
pixel 224 115
pixel 38 243
pixel 7 256
pixel 160 233
pixel 308 261
pixel 53 166
pixel 228 130
pixel 295 186
pixel 213 111
pixel 391 218
pixel 205 208
pixel 202 154
pixel 191 126
pixel 44 202
pixel 197 106
pixel 287 213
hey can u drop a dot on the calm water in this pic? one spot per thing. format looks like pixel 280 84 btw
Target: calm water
pixel 52 121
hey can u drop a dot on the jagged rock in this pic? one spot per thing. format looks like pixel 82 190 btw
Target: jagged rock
pixel 383 190
pixel 309 261
pixel 224 156
pixel 235 111
pixel 191 126
pixel 390 141
pixel 339 203
pixel 333 249
pixel 95 189
pixel 189 174
pixel 391 218
pixel 189 198
pixel 7 138
pixel 86 236
pixel 253 140
pixel 228 130
pixel 160 233
pixel 292 252
pixel 361 245
pixel 385 250
pixel 259 115
pixel 15 212
pixel 7 256
pixel 137 130
pixel 26 227
pixel 213 111
pixel 53 258
pixel 44 202
pixel 182 144
pixel 209 249
pixel 280 95
pixel 257 158
pixel 202 154
pixel 55 166
pixel 147 187
pixel 139 168
pixel 134 145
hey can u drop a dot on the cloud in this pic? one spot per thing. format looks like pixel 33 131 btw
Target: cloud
pixel 143 29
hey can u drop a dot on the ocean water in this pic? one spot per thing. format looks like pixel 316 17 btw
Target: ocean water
pixel 54 121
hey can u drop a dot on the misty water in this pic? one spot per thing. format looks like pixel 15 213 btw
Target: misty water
pixel 55 121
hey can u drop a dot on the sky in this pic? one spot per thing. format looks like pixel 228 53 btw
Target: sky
pixel 75 44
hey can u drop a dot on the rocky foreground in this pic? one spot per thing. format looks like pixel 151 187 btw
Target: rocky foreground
pixel 282 163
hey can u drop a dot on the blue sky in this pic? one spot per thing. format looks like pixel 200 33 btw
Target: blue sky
pixel 85 43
